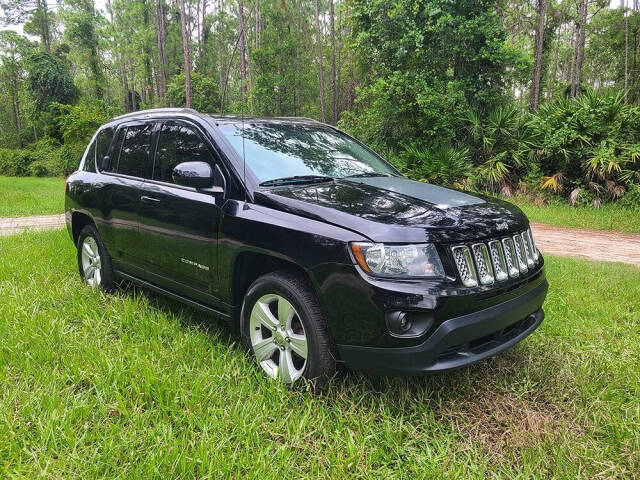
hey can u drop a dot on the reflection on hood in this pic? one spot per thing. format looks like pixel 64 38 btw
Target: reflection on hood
pixel 398 209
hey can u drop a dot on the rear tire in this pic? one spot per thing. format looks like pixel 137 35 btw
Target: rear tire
pixel 284 329
pixel 94 262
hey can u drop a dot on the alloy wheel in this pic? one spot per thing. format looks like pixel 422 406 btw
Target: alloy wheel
pixel 91 262
pixel 278 338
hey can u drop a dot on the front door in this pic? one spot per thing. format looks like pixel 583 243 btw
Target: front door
pixel 129 161
pixel 179 225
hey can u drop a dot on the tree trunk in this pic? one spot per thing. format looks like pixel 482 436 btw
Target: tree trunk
pixel 537 68
pixel 161 36
pixel 323 117
pixel 203 36
pixel 46 29
pixel 147 89
pixel 296 92
pixel 125 85
pixel 554 74
pixel 243 53
pixel 187 55
pixel 578 58
pixel 16 112
pixel 134 100
pixel 334 87
pixel 626 50
pixel 220 55
pixel 339 59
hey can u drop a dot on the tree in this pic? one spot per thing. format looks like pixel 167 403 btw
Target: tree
pixel 161 38
pixel 13 49
pixel 205 92
pixel 319 59
pixel 334 86
pixel 49 80
pixel 187 55
pixel 537 69
pixel 34 14
pixel 80 28
pixel 578 57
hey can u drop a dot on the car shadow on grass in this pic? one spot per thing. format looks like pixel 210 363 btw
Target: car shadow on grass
pixel 505 404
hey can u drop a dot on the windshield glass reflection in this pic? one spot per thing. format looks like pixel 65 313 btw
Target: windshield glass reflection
pixel 276 150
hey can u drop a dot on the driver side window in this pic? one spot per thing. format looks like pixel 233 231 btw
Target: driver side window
pixel 178 143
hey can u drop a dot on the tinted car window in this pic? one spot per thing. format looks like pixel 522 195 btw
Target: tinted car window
pixel 135 149
pixel 276 150
pixel 103 140
pixel 90 159
pixel 177 144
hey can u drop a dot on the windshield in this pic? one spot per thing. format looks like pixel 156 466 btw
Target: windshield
pixel 278 150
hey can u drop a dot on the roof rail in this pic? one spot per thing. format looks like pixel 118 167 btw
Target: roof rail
pixel 157 110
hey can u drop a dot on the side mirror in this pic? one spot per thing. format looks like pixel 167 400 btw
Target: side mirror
pixel 193 174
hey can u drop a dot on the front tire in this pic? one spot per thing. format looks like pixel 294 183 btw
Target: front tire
pixel 283 327
pixel 94 262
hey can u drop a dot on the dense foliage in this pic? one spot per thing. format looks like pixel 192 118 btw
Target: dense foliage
pixel 538 98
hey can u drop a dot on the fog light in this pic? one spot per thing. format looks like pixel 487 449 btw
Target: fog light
pixel 409 324
pixel 405 323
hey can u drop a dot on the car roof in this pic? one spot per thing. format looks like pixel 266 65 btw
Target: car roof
pixel 233 119
pixel 216 118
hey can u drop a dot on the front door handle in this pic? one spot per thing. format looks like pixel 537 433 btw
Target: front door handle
pixel 150 200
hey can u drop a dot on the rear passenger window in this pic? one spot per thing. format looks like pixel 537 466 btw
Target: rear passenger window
pixel 134 154
pixel 177 144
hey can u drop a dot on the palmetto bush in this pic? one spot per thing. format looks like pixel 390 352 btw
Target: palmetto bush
pixel 443 165
pixel 588 146
pixel 502 149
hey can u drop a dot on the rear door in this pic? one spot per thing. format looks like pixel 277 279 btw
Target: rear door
pixel 129 161
pixel 179 225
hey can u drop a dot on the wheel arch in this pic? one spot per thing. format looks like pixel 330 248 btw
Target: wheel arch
pixel 78 221
pixel 249 266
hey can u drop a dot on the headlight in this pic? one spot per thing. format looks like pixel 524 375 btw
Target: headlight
pixel 418 260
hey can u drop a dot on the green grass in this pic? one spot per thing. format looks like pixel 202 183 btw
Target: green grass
pixel 22 196
pixel 607 217
pixel 133 385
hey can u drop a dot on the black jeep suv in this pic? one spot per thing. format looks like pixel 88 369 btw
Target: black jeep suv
pixel 311 244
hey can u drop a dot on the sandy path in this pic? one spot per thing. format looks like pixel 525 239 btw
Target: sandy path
pixel 568 242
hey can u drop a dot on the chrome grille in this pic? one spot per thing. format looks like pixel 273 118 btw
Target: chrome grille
pixel 536 254
pixel 510 255
pixel 467 272
pixel 483 264
pixel 528 249
pixel 520 253
pixel 496 260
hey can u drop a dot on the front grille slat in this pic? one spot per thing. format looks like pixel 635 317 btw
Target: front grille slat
pixel 520 253
pixel 510 255
pixel 467 271
pixel 536 254
pixel 528 249
pixel 485 263
pixel 498 260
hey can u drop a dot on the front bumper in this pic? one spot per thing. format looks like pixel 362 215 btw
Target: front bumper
pixel 458 341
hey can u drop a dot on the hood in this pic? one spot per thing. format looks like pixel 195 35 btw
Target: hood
pixel 396 209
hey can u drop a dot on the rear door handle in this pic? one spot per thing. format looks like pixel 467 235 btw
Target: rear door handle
pixel 150 200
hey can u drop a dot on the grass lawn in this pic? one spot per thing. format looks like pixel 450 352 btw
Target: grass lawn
pixel 22 196
pixel 133 385
pixel 607 217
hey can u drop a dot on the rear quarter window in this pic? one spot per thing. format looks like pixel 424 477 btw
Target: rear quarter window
pixel 103 141
pixel 89 161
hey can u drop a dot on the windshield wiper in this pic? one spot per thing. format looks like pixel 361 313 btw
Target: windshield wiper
pixel 296 179
pixel 368 174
